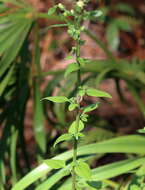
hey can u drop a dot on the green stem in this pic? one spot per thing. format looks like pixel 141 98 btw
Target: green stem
pixel 75 154
pixel 77 60
pixel 78 22
pixel 111 183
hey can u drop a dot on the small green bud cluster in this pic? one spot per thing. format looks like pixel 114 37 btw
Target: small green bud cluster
pixel 73 32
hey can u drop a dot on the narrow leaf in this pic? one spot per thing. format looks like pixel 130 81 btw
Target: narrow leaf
pixel 126 144
pixel 97 93
pixel 91 107
pixel 57 99
pixel 38 120
pixel 6 80
pixel 13 154
pixel 13 50
pixel 55 164
pixel 113 35
pixel 115 169
pixel 52 180
pixel 64 137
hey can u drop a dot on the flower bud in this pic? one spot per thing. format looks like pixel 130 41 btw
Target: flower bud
pixel 80 4
pixel 72 11
pixel 60 5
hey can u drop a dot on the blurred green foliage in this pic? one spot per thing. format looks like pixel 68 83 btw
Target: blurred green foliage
pixel 21 78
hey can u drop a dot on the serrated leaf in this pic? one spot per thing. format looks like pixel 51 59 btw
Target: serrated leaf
pixel 55 164
pixel 57 99
pixel 51 10
pixel 90 107
pixel 64 137
pixel 83 170
pixel 97 93
pixel 71 68
pixel 72 129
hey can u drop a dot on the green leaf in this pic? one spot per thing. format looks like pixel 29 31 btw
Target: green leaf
pixel 6 80
pixel 125 8
pixel 14 49
pixel 112 170
pixel 72 106
pixel 69 57
pixel 92 15
pixel 123 24
pixel 95 184
pixel 52 10
pixel 141 130
pixel 52 180
pixel 71 68
pixel 72 129
pixel 125 144
pixel 55 164
pixel 81 135
pixel 81 92
pixel 95 13
pixel 84 117
pixel 134 187
pixel 83 170
pixel 141 170
pixel 90 107
pixel 13 146
pixel 64 137
pixel 82 61
pixel 38 121
pixel 113 35
pixel 57 99
pixel 97 93
pixel 115 169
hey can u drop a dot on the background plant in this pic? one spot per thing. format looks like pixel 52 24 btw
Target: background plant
pixel 21 77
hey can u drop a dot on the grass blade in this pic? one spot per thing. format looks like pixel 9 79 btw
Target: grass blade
pixel 126 144
pixel 13 145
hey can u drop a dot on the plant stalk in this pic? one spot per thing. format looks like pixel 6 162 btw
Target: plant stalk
pixel 75 154
pixel 78 111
